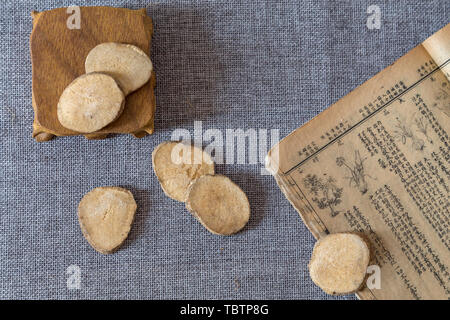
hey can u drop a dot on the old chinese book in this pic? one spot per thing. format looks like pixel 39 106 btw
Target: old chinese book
pixel 377 162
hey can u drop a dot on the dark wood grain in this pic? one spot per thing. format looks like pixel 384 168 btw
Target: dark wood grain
pixel 58 54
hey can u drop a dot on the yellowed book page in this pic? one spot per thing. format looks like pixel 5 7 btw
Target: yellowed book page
pixel 377 162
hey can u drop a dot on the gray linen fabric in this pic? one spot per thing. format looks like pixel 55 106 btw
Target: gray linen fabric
pixel 230 64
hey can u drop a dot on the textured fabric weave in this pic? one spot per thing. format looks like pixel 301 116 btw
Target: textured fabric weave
pixel 230 64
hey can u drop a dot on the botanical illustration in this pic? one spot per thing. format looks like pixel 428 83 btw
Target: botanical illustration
pixel 356 169
pixel 422 127
pixel 326 193
pixel 403 132
pixel 443 99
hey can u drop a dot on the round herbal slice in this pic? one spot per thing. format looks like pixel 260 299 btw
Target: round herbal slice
pixel 90 102
pixel 219 204
pixel 339 263
pixel 105 215
pixel 128 64
pixel 176 165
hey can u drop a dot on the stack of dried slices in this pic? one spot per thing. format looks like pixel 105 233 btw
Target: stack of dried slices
pixel 186 173
pixel 97 98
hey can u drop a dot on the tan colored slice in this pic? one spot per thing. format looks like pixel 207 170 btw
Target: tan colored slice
pixel 90 102
pixel 176 165
pixel 128 64
pixel 339 263
pixel 105 215
pixel 219 204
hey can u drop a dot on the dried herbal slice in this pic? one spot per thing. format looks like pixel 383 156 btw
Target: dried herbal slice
pixel 90 102
pixel 176 165
pixel 128 64
pixel 219 204
pixel 105 215
pixel 339 263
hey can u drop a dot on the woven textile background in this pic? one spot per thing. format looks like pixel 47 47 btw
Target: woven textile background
pixel 230 64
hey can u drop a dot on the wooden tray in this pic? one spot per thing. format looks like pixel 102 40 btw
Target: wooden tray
pixel 58 54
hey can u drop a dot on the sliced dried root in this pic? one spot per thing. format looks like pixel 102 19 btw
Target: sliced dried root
pixel 176 165
pixel 219 204
pixel 90 102
pixel 128 64
pixel 339 263
pixel 105 215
